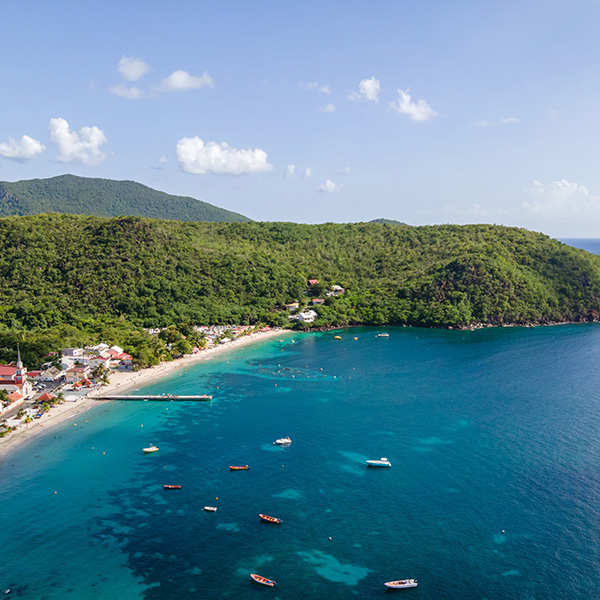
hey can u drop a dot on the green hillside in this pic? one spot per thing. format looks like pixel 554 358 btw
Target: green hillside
pixel 104 198
pixel 54 268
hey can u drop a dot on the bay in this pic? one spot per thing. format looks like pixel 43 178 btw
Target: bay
pixel 494 489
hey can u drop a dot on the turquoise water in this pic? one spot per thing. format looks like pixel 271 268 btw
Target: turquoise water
pixel 494 490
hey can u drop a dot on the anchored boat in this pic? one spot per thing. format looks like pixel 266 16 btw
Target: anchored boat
pixel 244 468
pixel 262 580
pixel 283 441
pixel 382 462
pixel 150 449
pixel 171 487
pixel 402 583
pixel 269 519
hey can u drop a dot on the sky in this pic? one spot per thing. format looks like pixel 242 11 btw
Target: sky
pixel 426 112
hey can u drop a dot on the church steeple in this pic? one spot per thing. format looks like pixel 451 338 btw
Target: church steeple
pixel 21 372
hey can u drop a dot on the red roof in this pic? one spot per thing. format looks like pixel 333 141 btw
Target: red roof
pixel 45 397
pixel 313 281
pixel 15 396
pixel 7 370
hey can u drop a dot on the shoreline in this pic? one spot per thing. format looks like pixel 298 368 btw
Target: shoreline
pixel 121 382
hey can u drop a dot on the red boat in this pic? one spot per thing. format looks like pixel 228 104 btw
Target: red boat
pixel 269 519
pixel 262 580
pixel 171 487
pixel 244 468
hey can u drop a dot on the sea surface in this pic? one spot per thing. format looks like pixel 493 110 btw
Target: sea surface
pixel 493 493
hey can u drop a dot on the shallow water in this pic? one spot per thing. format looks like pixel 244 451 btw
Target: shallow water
pixel 493 491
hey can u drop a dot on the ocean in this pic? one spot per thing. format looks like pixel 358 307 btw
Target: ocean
pixel 493 492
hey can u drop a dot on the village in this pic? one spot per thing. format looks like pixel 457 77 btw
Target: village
pixel 75 373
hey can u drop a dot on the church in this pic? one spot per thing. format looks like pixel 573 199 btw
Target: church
pixel 13 378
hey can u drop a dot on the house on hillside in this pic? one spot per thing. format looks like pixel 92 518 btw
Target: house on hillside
pixel 308 316
pixel 317 301
pixel 313 281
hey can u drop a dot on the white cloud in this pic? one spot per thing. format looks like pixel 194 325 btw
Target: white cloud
pixel 131 93
pixel 77 147
pixel 314 85
pixel 182 81
pixel 367 88
pixel 346 170
pixel 163 159
pixel 307 173
pixel 329 187
pixel 290 171
pixel 195 156
pixel 418 111
pixel 132 68
pixel 22 149
pixel 561 199
pixel 505 121
pixel 328 108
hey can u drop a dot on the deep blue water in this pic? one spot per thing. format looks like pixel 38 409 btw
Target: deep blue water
pixel 590 244
pixel 494 490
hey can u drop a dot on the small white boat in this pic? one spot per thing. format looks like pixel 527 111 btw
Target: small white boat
pixel 210 508
pixel 402 583
pixel 150 449
pixel 283 441
pixel 382 462
pixel 383 335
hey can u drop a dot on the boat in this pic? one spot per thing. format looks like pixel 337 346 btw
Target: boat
pixel 383 335
pixel 171 487
pixel 382 462
pixel 262 580
pixel 150 449
pixel 402 583
pixel 337 337
pixel 244 468
pixel 284 440
pixel 210 508
pixel 269 519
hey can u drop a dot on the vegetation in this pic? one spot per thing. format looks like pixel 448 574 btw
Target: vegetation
pixel 70 280
pixel 104 198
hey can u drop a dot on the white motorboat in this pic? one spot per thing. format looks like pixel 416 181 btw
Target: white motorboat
pixel 382 462
pixel 150 449
pixel 383 335
pixel 283 441
pixel 210 508
pixel 402 583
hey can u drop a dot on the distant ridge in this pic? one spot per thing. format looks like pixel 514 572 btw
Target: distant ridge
pixel 389 222
pixel 69 194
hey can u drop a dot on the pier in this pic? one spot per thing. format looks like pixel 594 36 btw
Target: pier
pixel 163 398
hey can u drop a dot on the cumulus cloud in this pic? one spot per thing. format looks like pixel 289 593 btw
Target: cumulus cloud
pixel 418 111
pixel 367 88
pixel 313 85
pixel 307 173
pixel 82 146
pixel 182 81
pixel 132 68
pixel 329 187
pixel 505 121
pixel 561 199
pixel 131 93
pixel 328 108
pixel 21 150
pixel 290 171
pixel 196 157
pixel 163 159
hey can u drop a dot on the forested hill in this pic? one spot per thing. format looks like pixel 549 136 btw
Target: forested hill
pixel 57 269
pixel 104 198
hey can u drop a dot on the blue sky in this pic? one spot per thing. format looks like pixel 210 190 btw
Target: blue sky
pixel 422 111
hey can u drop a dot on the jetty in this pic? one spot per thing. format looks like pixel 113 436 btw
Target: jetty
pixel 160 398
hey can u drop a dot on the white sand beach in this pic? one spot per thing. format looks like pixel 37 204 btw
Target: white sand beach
pixel 119 383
